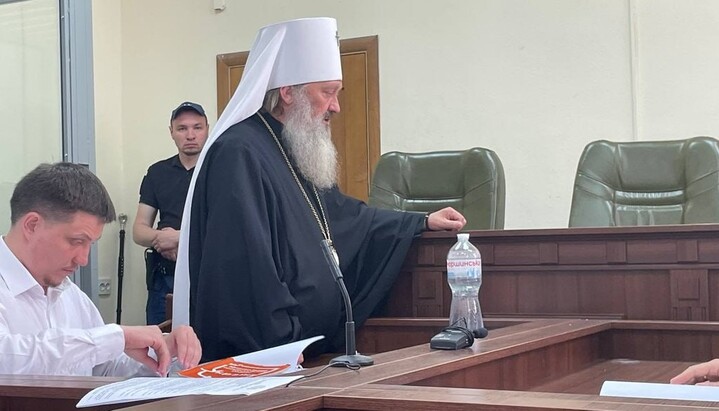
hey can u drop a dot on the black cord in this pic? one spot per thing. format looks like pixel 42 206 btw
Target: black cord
pixel 465 331
pixel 353 367
pixel 463 322
pixel 480 333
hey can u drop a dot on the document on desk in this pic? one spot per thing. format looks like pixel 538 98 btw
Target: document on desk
pixel 272 361
pixel 149 388
pixel 241 375
pixel 659 391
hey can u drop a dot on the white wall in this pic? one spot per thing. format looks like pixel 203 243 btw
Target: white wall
pixel 534 80
pixel 110 158
pixel 678 80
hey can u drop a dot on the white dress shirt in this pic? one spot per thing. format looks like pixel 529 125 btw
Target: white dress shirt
pixel 61 333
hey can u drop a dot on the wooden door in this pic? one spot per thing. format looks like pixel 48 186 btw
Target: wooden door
pixel 355 130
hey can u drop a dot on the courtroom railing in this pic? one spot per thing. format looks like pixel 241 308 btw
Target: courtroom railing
pixel 642 273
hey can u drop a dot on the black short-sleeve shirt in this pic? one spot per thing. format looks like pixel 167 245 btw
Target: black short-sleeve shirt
pixel 164 188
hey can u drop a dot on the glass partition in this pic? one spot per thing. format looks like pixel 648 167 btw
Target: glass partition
pixel 30 92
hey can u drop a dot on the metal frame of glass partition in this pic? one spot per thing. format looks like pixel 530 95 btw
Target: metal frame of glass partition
pixel 78 112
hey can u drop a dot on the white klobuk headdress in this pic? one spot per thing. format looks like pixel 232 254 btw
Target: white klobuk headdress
pixel 284 54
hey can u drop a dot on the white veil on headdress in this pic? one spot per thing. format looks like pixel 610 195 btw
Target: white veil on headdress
pixel 284 54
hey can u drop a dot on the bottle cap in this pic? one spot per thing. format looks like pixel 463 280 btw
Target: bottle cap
pixel 463 236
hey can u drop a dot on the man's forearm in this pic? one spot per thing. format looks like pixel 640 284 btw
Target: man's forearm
pixel 143 235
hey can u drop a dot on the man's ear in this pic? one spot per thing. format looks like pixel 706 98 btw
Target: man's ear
pixel 286 95
pixel 30 222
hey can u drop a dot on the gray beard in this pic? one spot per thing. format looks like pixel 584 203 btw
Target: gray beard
pixel 309 143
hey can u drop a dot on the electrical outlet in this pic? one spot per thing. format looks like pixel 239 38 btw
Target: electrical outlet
pixel 104 286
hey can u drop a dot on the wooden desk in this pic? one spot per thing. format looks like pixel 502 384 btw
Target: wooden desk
pixel 536 365
pixel 638 273
pixel 32 393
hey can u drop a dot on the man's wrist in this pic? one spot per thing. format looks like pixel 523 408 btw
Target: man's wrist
pixel 426 222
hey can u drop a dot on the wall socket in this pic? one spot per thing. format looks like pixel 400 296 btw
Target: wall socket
pixel 104 286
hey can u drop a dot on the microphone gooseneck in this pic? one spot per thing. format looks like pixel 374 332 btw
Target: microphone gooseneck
pixel 351 356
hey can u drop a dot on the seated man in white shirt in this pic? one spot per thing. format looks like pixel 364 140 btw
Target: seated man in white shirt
pixel 47 324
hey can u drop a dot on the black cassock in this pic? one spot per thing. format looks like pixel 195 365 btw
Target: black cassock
pixel 258 277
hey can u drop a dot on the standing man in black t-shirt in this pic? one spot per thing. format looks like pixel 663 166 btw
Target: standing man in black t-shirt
pixel 164 189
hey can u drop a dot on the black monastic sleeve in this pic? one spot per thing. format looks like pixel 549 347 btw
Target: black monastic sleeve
pixel 372 244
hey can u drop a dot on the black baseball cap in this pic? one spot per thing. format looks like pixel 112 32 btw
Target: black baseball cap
pixel 187 106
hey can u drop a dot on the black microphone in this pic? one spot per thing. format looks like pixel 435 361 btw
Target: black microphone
pixel 481 333
pixel 351 357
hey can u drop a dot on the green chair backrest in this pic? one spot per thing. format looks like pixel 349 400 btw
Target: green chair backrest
pixel 471 181
pixel 647 183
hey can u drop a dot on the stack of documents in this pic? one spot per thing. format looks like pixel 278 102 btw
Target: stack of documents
pixel 241 375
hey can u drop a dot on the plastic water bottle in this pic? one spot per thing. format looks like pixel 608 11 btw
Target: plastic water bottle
pixel 464 274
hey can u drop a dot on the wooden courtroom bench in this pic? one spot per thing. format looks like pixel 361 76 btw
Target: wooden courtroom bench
pixel 637 273
pixel 46 393
pixel 538 364
pixel 622 303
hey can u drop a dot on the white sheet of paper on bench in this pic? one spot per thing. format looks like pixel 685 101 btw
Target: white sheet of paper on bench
pixel 659 391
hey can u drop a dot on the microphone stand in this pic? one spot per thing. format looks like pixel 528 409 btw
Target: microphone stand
pixel 120 265
pixel 351 357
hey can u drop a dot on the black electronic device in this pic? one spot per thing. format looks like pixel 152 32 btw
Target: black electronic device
pixel 452 338
pixel 351 357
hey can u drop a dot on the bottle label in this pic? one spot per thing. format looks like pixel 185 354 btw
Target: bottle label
pixel 467 268
pixel 463 263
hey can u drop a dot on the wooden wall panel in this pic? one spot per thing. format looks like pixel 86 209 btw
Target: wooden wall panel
pixel 713 289
pixel 689 295
pixel 499 293
pixel 398 303
pixel 616 252
pixel 516 254
pixel 687 251
pixel 583 253
pixel 525 370
pixel 487 251
pixel 551 292
pixel 652 251
pixel 708 250
pixel 647 295
pixel 428 290
pixel 677 345
pixel 657 273
pixel 602 292
pixel 548 253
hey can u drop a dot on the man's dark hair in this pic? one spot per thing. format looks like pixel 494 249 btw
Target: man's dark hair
pixel 57 191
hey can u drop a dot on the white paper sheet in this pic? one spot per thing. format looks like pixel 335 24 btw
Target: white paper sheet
pixel 139 389
pixel 264 363
pixel 288 353
pixel 659 391
pixel 148 388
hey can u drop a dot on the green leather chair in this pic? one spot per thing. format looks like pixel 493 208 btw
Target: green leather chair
pixel 471 181
pixel 647 183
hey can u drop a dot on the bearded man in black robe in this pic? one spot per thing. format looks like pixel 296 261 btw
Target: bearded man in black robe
pixel 264 199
